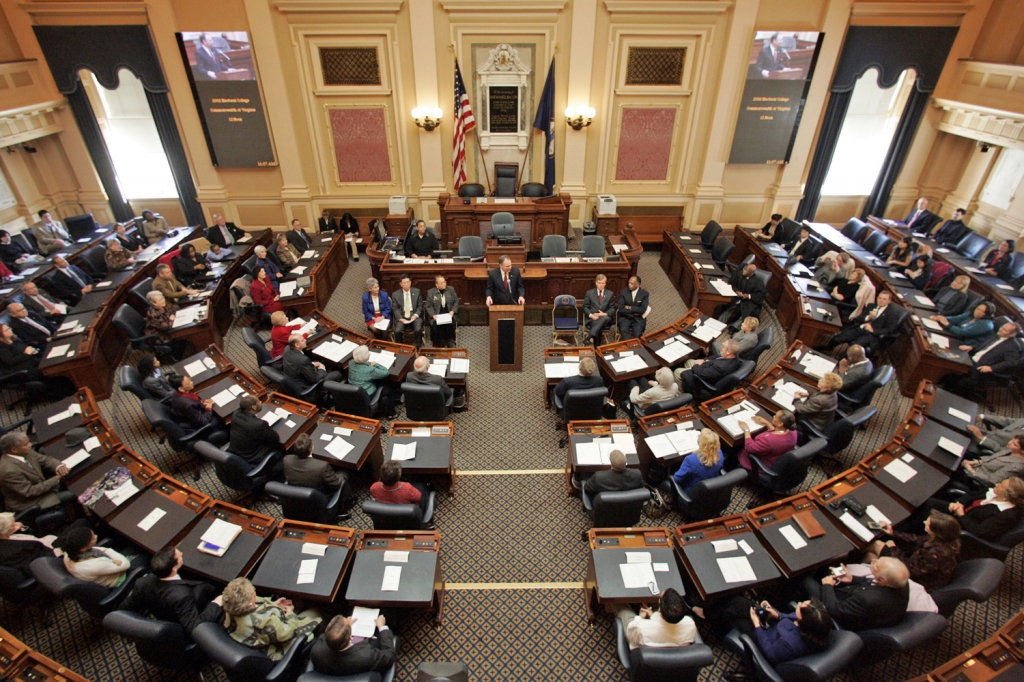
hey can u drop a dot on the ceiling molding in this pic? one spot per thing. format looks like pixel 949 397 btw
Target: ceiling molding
pixel 336 6
pixel 667 6
pixel 86 8
pixel 488 6
pixel 873 9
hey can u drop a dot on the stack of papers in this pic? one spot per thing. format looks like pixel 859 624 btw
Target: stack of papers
pixel 287 289
pixel 381 323
pixel 630 363
pixel 793 536
pixel 364 621
pixel 859 529
pixel 334 351
pixel 705 333
pixel 151 519
pixel 744 412
pixel 314 549
pixel 561 370
pixel 76 459
pixel 923 300
pixel 58 351
pixel 900 471
pixel 219 536
pixel 385 358
pixel 401 452
pixel 307 571
pixel 119 495
pixel 196 368
pixel 623 442
pixel 297 270
pixel 931 324
pixel 74 408
pixel 72 327
pixel 963 416
pixel 816 365
pixel 339 447
pixel 308 254
pixel 638 575
pixel 723 287
pixel 785 393
pixel 461 366
pixel 392 578
pixel 225 397
pixel 438 367
pixel 877 516
pixel 736 570
pixel 187 316
pixel 949 446
pixel 940 341
pixel 674 349
pixel 443 318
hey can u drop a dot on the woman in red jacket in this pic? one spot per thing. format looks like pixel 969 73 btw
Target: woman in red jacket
pixel 280 332
pixel 262 292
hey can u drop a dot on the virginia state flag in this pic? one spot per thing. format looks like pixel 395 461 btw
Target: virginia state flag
pixel 545 122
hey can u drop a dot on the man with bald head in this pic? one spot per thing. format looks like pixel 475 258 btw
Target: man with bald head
pixel 421 375
pixel 30 327
pixel 618 477
pixel 40 303
pixel 877 601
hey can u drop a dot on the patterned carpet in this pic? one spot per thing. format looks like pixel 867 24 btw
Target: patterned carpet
pixel 508 528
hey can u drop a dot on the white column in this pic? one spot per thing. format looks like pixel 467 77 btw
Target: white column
pixel 424 59
pixel 1010 225
pixel 581 58
pixel 973 179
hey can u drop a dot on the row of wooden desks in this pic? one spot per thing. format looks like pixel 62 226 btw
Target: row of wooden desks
pixel 1000 658
pixel 691 271
pixel 19 663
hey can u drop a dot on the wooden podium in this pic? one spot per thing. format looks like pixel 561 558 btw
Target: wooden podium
pixel 506 338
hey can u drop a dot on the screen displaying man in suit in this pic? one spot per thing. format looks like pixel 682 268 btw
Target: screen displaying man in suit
pixel 633 303
pixel 50 234
pixel 599 309
pixel 208 59
pixel 167 596
pixel 772 56
pixel 407 307
pixel 505 284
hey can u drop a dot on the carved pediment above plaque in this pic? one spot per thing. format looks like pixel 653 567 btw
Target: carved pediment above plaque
pixel 503 59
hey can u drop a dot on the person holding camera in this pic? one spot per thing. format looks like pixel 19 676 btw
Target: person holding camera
pixel 930 558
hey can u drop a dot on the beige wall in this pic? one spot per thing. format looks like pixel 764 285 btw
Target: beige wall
pixel 417 41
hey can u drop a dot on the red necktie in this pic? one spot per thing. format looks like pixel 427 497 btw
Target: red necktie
pixel 49 306
pixel 916 214
pixel 507 288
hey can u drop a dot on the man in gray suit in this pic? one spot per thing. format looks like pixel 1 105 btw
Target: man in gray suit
pixel 23 481
pixel 302 470
pixel 599 309
pixel 50 234
pixel 855 369
pixel 994 435
pixel 407 307
pixel 421 375
pixel 298 366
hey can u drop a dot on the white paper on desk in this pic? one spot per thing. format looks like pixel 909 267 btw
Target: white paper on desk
pixel 736 570
pixel 339 448
pixel 119 495
pixel 660 568
pixel 289 424
pixel 907 457
pixel 557 370
pixel 900 471
pixel 897 275
pixel 392 578
pixel 195 368
pixel 308 254
pixel 931 324
pixel 330 350
pixel 381 323
pixel 723 287
pixel 443 318
pixel 624 443
pixel 705 333
pixel 58 351
pixel 342 431
pixel 963 416
pixel 186 316
pixel 459 366
pixel 396 557
pixel 75 408
pixel 327 437
pixel 588 454
pixel 638 557
pixel 210 364
pixel 307 571
pixel 684 442
pixel 817 366
pixel 151 519
pixel 287 289
pixel 60 416
pixel 365 621
pixel 947 444
pixel 635 576
pixel 236 390
pixel 672 352
pixel 402 452
pixel 420 432
pixel 877 516
pixel 724 546
pixel 384 358
pixel 942 250
pixel 660 445
pixel 923 300
pixel 793 536
pixel 91 443
pixel 977 271
pixel 271 418
pixel 822 311
pixel 747 549
pixel 1007 287
pixel 223 398
pixel 859 529
pixel 221 533
pixel 76 459
pixel 314 549
pixel 297 270
pixel 940 341
pixel 695 251
pixel 437 370
pixel 625 353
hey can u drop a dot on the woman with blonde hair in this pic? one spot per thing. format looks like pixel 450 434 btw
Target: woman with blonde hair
pixel 280 332
pixel 705 463
pixel 819 408
pixel 262 624
pixel 952 300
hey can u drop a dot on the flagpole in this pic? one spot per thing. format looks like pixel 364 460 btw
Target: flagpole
pixel 526 159
pixel 482 161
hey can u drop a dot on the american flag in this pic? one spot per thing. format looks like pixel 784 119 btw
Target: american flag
pixel 464 122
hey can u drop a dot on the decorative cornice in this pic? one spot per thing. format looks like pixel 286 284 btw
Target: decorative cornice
pixel 336 6
pixel 890 9
pixel 667 6
pixel 466 6
pixel 83 8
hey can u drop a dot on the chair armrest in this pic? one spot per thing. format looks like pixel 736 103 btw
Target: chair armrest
pixel 761 465
pixel 121 591
pixel 332 503
pixel 763 669
pixel 23 422
pixel 622 645
pixel 811 429
pixel 257 470
pixel 290 664
pixel 678 489
pixel 428 513
pixel 987 544
pixel 557 401
pixel 198 434
pixel 588 501
pixel 27 516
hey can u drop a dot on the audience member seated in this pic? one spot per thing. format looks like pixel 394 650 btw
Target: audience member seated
pixel 70 281
pixel 866 330
pixel 999 259
pixel 953 230
pixel 337 652
pixel 952 300
pixel 286 253
pixel 160 322
pixel 167 596
pixel 801 249
pixel 263 292
pixel 618 477
pixel 422 375
pixel 865 603
pixel 192 412
pixel 855 369
pixel 17 356
pixel 222 233
pixel 85 561
pixel 598 309
pixel 987 514
pixel 252 439
pixel 858 291
pixel 407 305
pixel 154 376
pixel 298 238
pixel 588 377
pixel 376 306
pixel 920 271
pixel 662 388
pixel 30 327
pixel 930 558
pixel 350 227
pixel 13 254
pixel 920 216
pixel 441 300
pixel 298 365
pixel 50 234
pixel 41 303
pixel 832 266
pixel 23 481
pixel 128 243
pixel 901 255
pixel 970 325
pixel 281 331
pixel 154 228
pixel 746 337
pixel 703 464
pixel 369 375
pixel 273 272
pixel 995 434
pixel 998 354
pixel 217 253
pixel 633 306
pixel 710 370
pixel 750 293
pixel 391 489
pixel 667 627
pixel 778 438
pixel 261 624
pixel 421 243
pixel 819 408
pixel 190 265
pixel 19 549
pixel 116 257
pixel 167 284
pixel 303 470
pixel 771 232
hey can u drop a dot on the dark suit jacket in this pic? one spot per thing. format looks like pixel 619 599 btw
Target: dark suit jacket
pixel 1002 358
pixel 496 287
pixel 923 220
pixel 609 479
pixel 1002 266
pixel 856 376
pixel 398 303
pixel 188 412
pixel 805 250
pixel 206 62
pixel 861 605
pixel 307 472
pixel 986 521
pixel 715 368
pixel 628 309
pixel 215 236
pixel 766 61
pixel 10 253
pixel 67 288
pixel 29 334
pixel 20 553
pixel 592 305
pixel 429 379
pixel 14 359
pixel 328 225
pixel 577 382
pixel 296 240
pixel 252 439
pixel 748 285
pixel 176 601
pixel 886 323
pixel 374 654
pixel 951 232
pixel 298 366
pixel 36 307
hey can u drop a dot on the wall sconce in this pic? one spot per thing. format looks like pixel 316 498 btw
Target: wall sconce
pixel 427 118
pixel 579 117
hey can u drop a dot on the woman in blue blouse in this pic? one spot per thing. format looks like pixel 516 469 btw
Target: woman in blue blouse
pixel 705 463
pixel 376 305
pixel 972 325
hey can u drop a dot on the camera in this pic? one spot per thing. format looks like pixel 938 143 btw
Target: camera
pixel 762 613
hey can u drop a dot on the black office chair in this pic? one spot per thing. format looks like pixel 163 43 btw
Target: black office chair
pixel 709 498
pixel 553 246
pixel 886 340
pixel 93 261
pixel 249 265
pixel 503 224
pixel 976 579
pixel 973 245
pixel 709 234
pixel 94 599
pixel 1016 269
pixel 663 406
pixel 389 675
pixel 708 391
pixel 471 246
pixel 243 664
pixel 137 294
pixel 160 643
pixel 790 230
pixel 259 347
pixel 839 433
pixel 843 647
pixel 917 628
pixel 973 547
pixel 27 241
pixel 353 400
pixel 721 250
pixel 662 664
pixel 733 267
pixel 159 417
pixel 400 516
pixel 586 403
pixel 128 320
pixel 506 176
pixel 873 240
pixel 592 246
pixel 40 520
pixel 307 504
pixel 128 380
pixel 536 190
pixel 20 382
pixel 291 387
pixel 854 229
pixel 236 473
pixel 472 189
pixel 765 340
pixel 885 245
pixel 615 508
pixel 865 393
pixel 788 471
pixel 425 402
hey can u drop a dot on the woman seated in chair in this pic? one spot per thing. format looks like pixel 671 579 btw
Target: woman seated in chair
pixel 192 412
pixel 854 294
pixel 189 265
pixel 280 332
pixel 701 465
pixel 662 388
pixel 778 438
pixel 160 321
pixel 930 558
pixel 986 514
pixel 901 255
pixel 155 378
pixel 18 549
pixel 376 307
pixel 999 259
pixel 263 292
pixel 920 271
pixel 85 561
pixel 116 257
pixel 286 253
pixel 952 300
pixel 261 624
pixel 819 408
pixel 368 375
pixel 970 326
pixel 391 489
pixel 128 243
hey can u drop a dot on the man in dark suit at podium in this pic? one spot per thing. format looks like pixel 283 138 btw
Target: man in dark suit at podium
pixel 772 57
pixel 505 284
pixel 208 60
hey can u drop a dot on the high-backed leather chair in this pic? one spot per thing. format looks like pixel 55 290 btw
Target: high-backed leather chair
pixel 160 643
pixel 472 189
pixel 471 246
pixel 400 516
pixel 765 340
pixel 236 473
pixel 503 224
pixel 536 190
pixel 790 470
pixel 592 246
pixel 843 647
pixel 709 234
pixel 553 246
pixel 973 245
pixel 94 599
pixel 854 229
pixel 506 176
pixel 243 664
pixel 128 380
pixel 865 393
pixel 615 508
pixel 721 250
pixel 128 320
pixel 662 664
pixel 872 241
pixel 707 390
pixel 975 579
pixel 580 403
pixel 353 400
pixel 182 440
pixel 94 261
pixel 710 498
pixel 289 386
pixel 663 406
pixel 917 628
pixel 973 546
pixel 137 294
pixel 259 347
pixel 425 402
pixel 306 504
